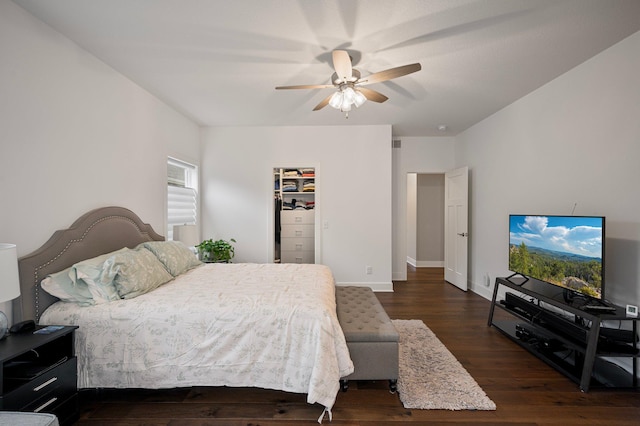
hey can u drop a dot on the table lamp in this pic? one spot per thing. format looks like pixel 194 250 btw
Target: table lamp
pixel 186 234
pixel 9 281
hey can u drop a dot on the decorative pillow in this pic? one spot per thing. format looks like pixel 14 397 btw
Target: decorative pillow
pixel 135 272
pixel 62 286
pixel 174 255
pixel 81 283
pixel 90 273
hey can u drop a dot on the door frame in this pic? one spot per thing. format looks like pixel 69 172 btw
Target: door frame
pixel 317 212
pixel 403 198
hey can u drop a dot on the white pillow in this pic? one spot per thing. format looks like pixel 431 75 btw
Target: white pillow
pixel 90 272
pixel 81 282
pixel 62 286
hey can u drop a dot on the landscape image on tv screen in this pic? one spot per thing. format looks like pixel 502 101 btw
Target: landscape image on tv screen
pixel 563 250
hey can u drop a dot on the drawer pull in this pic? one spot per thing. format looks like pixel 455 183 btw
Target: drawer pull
pixel 45 384
pixel 45 405
pixel 298 233
pixel 298 219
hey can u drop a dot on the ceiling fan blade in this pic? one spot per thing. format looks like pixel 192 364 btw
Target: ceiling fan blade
pixel 372 95
pixel 323 103
pixel 389 74
pixel 306 86
pixel 342 64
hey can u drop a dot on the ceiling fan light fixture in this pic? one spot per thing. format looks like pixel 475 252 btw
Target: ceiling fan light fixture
pixel 346 97
pixel 346 104
pixel 349 94
pixel 359 98
pixel 336 100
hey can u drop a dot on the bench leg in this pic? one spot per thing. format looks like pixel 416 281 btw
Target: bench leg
pixel 393 386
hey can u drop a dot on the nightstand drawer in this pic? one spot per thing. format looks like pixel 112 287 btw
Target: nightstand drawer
pixel 45 392
pixel 39 372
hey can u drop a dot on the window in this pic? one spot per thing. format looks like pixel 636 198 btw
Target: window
pixel 182 194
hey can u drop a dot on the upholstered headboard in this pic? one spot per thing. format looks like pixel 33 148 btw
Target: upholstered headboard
pixel 97 232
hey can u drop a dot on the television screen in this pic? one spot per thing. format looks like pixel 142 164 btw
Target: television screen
pixel 566 251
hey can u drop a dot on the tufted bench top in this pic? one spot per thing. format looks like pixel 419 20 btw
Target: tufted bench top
pixel 15 418
pixel 362 317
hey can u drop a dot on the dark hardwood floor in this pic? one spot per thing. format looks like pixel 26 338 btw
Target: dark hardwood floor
pixel 525 390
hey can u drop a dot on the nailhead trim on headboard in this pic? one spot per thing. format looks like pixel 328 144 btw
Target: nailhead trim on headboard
pixel 121 228
pixel 37 269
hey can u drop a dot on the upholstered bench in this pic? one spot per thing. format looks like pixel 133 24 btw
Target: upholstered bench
pixel 371 337
pixel 15 418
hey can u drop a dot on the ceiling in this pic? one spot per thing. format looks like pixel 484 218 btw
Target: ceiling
pixel 219 61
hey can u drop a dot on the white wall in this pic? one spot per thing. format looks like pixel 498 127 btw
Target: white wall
pixel 575 140
pixel 75 135
pixel 353 193
pixel 416 155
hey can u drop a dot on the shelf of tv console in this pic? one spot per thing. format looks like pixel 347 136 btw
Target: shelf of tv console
pixel 556 328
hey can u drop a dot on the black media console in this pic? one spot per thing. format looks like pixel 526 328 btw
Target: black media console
pixel 591 348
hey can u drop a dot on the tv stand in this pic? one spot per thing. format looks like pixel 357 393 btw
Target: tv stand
pixel 572 340
pixel 523 280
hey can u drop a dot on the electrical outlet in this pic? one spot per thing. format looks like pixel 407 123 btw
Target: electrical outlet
pixel 369 270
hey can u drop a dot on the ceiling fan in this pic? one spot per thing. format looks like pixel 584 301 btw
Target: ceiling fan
pixel 348 81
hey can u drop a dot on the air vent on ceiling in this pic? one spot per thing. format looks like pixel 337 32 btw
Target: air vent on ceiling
pixel 397 143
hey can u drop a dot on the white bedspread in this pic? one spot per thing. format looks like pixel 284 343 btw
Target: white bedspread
pixel 261 325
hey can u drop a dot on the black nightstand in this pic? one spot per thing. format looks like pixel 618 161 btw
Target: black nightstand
pixel 38 372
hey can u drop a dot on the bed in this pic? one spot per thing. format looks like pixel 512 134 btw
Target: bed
pixel 272 326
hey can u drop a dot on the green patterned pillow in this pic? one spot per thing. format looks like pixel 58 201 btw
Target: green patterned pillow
pixel 135 272
pixel 174 255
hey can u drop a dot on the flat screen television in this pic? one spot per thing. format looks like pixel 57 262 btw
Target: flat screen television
pixel 566 251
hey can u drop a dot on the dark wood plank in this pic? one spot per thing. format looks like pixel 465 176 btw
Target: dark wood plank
pixel 525 390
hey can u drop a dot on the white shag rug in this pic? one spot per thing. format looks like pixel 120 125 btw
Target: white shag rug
pixel 431 378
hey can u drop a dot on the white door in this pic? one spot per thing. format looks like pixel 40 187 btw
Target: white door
pixel 456 189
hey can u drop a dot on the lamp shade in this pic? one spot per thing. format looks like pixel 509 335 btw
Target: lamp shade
pixel 9 278
pixel 186 234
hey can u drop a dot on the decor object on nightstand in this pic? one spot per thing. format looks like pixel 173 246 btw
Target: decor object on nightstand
pixel 9 281
pixel 219 251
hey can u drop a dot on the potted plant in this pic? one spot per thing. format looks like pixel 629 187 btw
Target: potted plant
pixel 219 251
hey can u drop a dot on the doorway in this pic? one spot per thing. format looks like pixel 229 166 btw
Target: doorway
pixel 294 194
pixel 425 219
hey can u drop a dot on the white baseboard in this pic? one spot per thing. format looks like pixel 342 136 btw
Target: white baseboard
pixel 425 263
pixel 379 287
pixel 430 264
pixel 480 290
pixel 399 276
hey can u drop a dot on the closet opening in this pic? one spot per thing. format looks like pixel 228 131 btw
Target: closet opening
pixel 294 219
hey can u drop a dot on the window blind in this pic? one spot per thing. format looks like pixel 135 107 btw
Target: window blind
pixel 182 195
